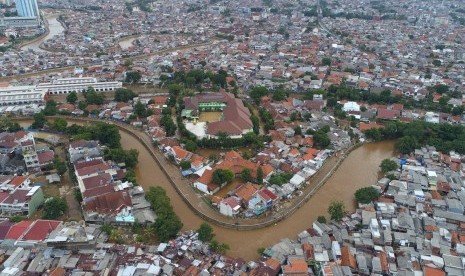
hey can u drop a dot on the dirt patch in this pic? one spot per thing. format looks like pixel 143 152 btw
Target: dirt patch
pixel 67 190
pixel 51 190
pixel 210 116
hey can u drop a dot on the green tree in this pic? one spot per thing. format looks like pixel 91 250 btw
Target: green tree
pixel 133 76
pixel 16 219
pixel 107 134
pixel 321 139
pixel 115 237
pixel 185 165
pixel 260 175
pixel 59 125
pixel 168 124
pixel 366 195
pixel 191 146
pixel 50 108
pixel 107 228
pixel 437 62
pixel 60 166
pixel 93 97
pixel 293 116
pixel 39 121
pixel 279 95
pixel 441 88
pixel 326 61
pixel 257 92
pixel 205 232
pixel 119 155
pixel 54 207
pixel 140 110
pixel 82 105
pixel 219 248
pixel 256 124
pixel 388 165
pixel 124 95
pixel 167 224
pixel 6 124
pixel 407 144
pixel 222 176
pixel 72 97
pixel 321 219
pixel 246 175
pixel 78 195
pixel 336 210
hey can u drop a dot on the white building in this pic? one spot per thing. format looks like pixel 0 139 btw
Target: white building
pixel 68 85
pixel 432 117
pixel 351 106
pixel 17 95
pixel 229 207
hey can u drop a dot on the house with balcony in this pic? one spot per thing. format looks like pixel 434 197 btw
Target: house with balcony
pixel 83 150
pixel 22 201
pixel 261 201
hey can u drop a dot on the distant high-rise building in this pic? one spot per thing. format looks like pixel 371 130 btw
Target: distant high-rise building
pixel 27 8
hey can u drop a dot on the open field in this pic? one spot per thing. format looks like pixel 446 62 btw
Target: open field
pixel 210 116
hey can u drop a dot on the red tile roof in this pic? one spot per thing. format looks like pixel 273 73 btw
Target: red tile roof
pixel 89 193
pixel 18 180
pixel 4 228
pixel 40 230
pixel 269 194
pixel 433 271
pixel 46 157
pixel 89 163
pixel 246 191
pixel 180 153
pixel 93 169
pixel 296 267
pixel 17 230
pixel 388 114
pixel 18 195
pixel 109 203
pixel 97 181
pixel 3 196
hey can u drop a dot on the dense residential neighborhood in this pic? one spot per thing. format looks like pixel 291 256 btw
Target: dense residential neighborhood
pixel 214 137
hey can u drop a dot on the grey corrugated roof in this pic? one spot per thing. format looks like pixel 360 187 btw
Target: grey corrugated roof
pixel 448 215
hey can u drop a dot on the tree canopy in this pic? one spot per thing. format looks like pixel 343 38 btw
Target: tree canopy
pixel 246 175
pixel 93 97
pixel 39 121
pixel 119 155
pixel 124 95
pixel 222 176
pixel 167 225
pixel 72 97
pixel 336 210
pixel 388 165
pixel 60 166
pixel 205 232
pixel 59 125
pixel 133 76
pixel 410 136
pixel 366 195
pixel 54 207
pixel 257 92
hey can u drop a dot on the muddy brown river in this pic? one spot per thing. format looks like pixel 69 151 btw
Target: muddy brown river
pixel 359 169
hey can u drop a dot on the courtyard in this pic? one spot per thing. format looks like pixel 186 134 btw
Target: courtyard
pixel 210 116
